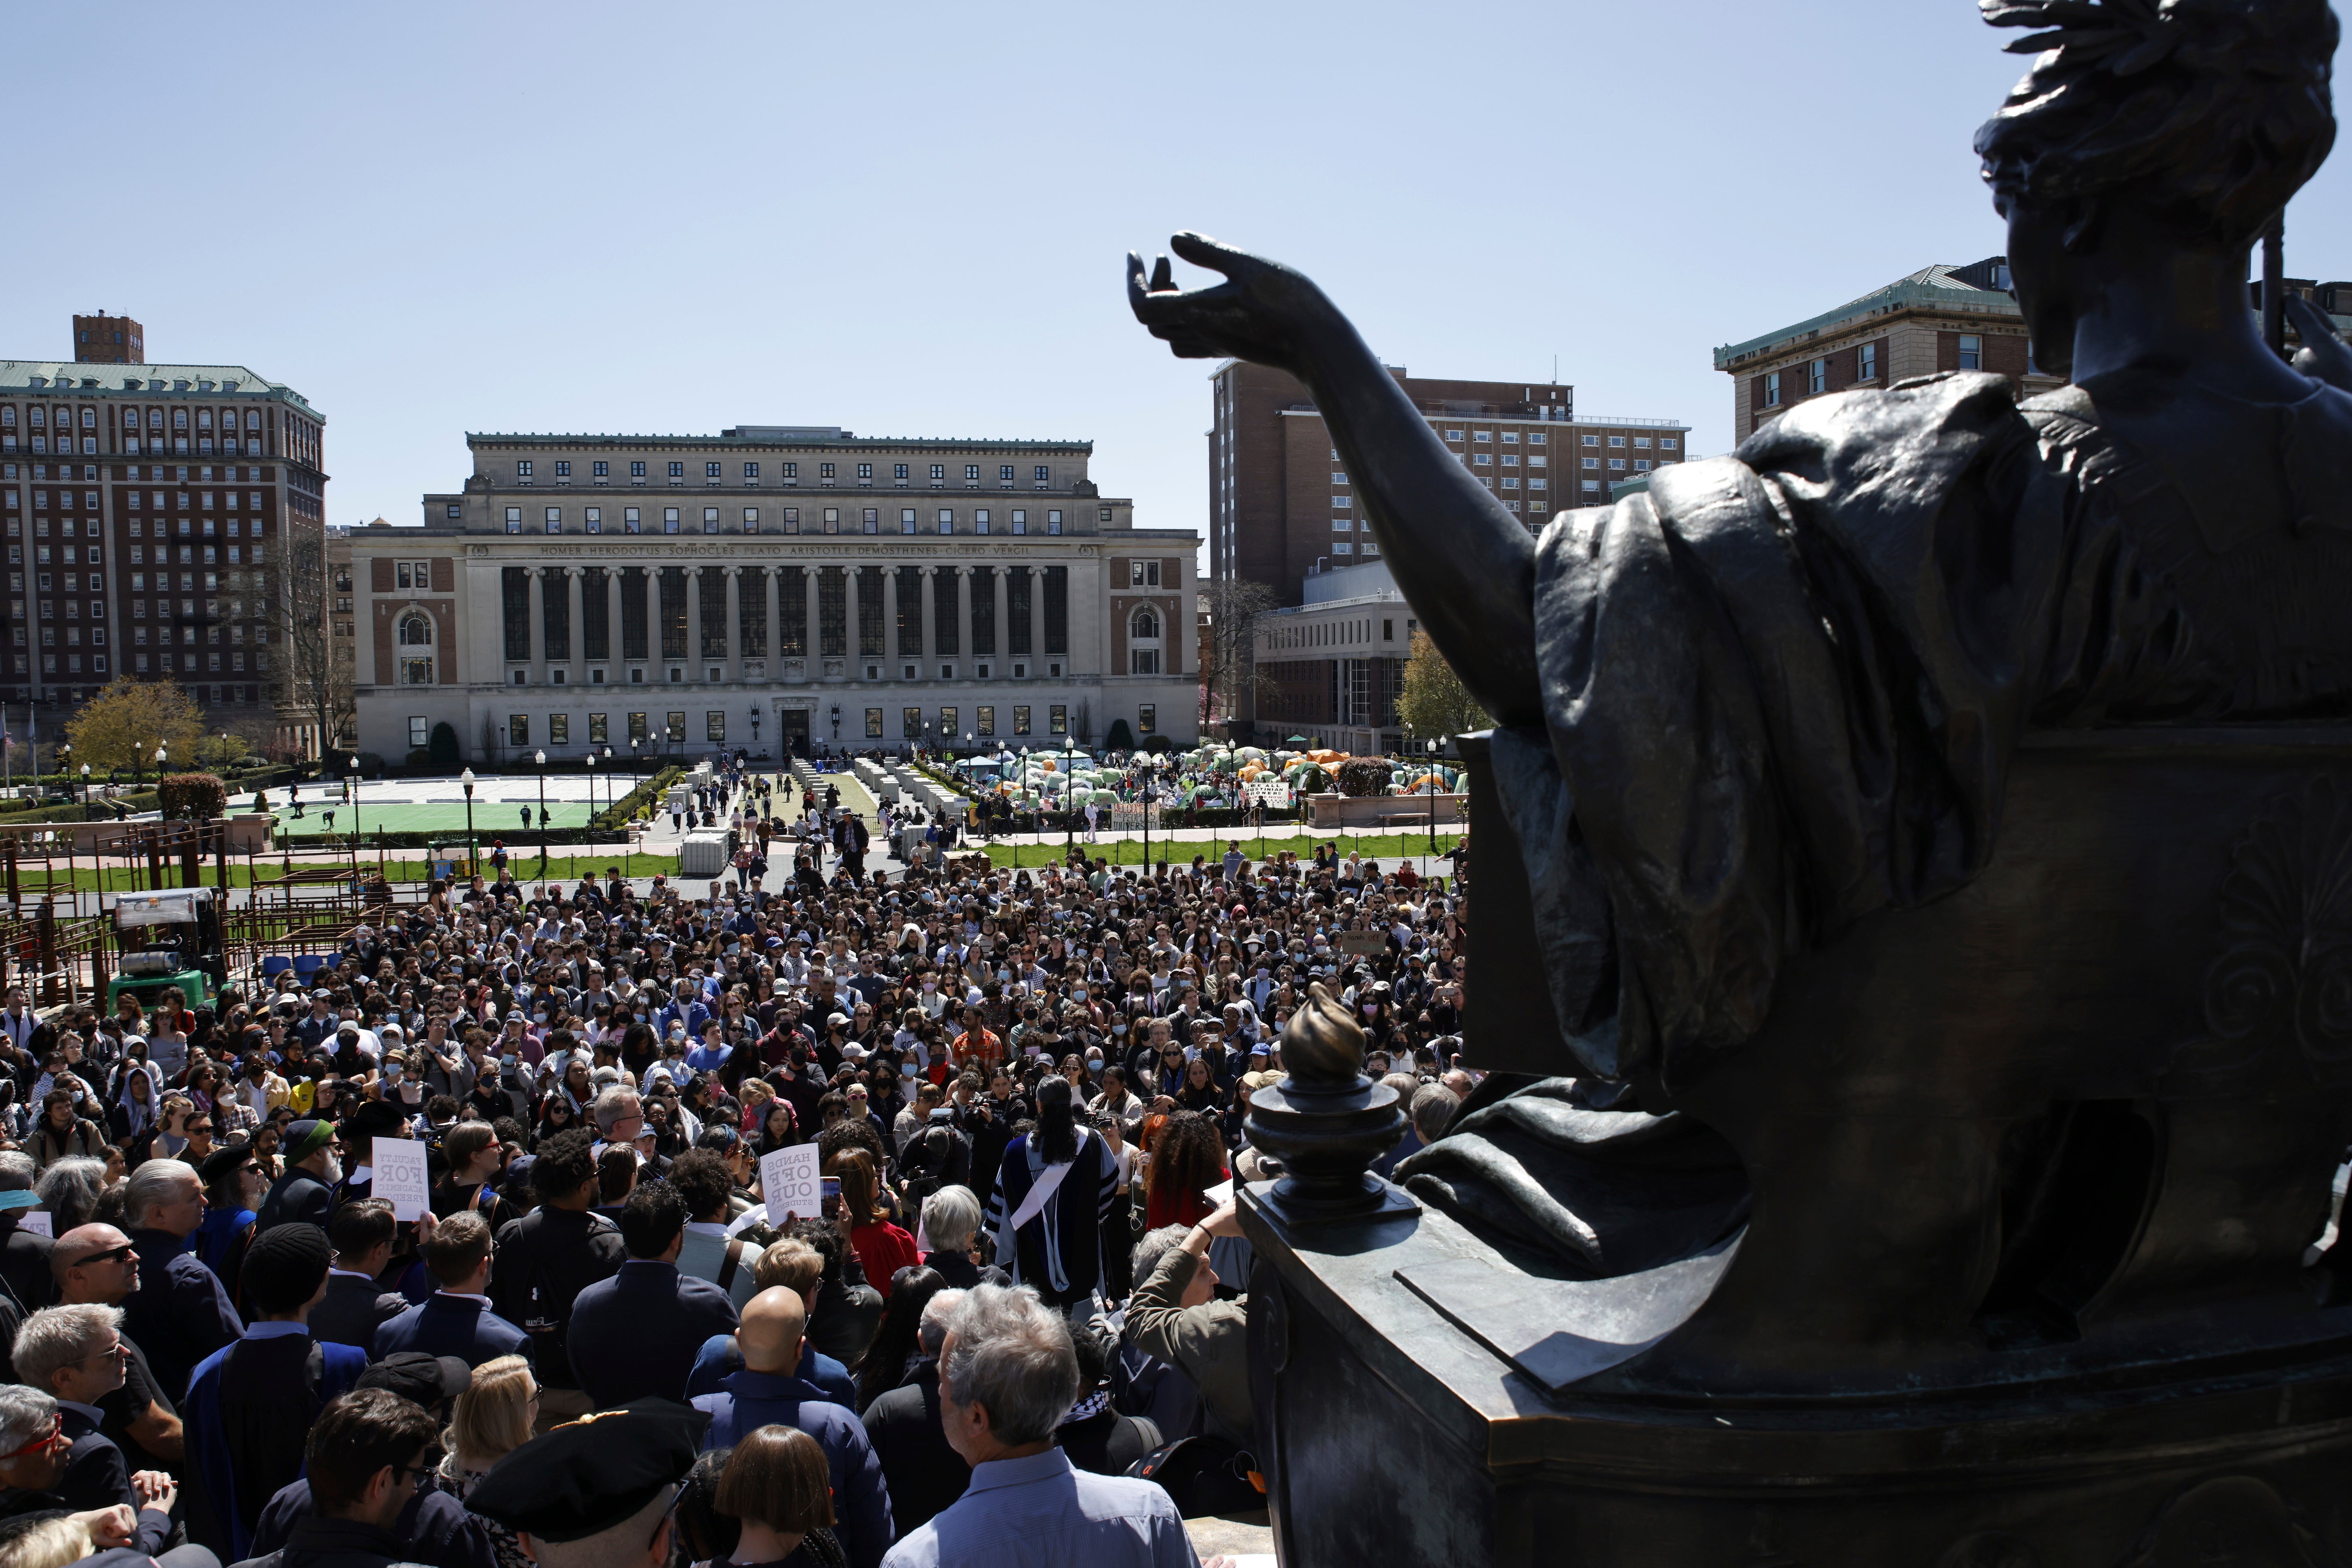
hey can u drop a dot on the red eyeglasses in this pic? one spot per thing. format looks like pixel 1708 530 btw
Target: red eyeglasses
pixel 57 1429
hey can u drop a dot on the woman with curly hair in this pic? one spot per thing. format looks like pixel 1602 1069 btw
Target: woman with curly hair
pixel 1188 1158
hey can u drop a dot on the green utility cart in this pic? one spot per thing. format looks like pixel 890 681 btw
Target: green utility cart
pixel 168 941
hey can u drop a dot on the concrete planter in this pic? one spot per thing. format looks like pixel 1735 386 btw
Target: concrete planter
pixel 1367 813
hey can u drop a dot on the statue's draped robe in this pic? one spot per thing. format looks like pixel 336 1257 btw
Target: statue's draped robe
pixel 1781 690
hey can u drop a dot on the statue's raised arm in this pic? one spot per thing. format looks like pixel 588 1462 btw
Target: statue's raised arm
pixel 1465 565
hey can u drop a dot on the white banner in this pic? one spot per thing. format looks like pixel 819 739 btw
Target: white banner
pixel 1272 794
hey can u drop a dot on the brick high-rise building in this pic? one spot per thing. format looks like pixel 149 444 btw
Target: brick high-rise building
pixel 1280 505
pixel 151 515
pixel 109 340
pixel 1938 319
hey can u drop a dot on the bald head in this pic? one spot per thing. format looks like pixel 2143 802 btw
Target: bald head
pixel 770 1330
pixel 82 1241
pixel 92 1266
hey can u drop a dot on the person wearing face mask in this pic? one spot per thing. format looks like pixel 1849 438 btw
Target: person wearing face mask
pixel 672 1063
pixel 1373 1014
pixel 306 1193
pixel 261 1091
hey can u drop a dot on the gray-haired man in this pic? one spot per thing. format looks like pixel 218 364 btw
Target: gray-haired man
pixel 1007 1376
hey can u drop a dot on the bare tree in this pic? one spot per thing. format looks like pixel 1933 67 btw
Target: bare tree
pixel 1229 652
pixel 319 678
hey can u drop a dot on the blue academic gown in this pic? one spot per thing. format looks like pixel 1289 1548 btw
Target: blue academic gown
pixel 208 1443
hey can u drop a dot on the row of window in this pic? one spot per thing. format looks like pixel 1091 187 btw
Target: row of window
pixel 1331 634
pixel 659 608
pixel 140 633
pixel 90 529
pixel 1536 438
pixel 89 500
pixel 915 724
pixel 1007 474
pixel 73 664
pixel 983 520
pixel 38 417
pixel 1816 372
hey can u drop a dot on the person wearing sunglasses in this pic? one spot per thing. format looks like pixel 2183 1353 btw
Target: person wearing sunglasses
pixel 96 1265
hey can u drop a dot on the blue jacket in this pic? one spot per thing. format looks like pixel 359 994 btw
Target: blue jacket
pixel 861 1498
pixel 434 1528
pixel 636 1333
pixel 444 1324
pixel 719 1357
pixel 209 1446
pixel 179 1314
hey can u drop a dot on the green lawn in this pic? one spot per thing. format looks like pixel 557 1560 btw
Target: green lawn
pixel 489 821
pixel 1129 851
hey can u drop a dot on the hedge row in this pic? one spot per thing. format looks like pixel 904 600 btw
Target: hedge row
pixel 628 805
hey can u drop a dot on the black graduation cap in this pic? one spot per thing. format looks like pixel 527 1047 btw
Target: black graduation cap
pixel 587 1476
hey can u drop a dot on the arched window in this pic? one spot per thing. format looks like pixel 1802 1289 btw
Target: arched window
pixel 416 631
pixel 1145 624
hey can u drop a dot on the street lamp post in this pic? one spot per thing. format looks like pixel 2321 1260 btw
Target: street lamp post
pixel 353 761
pixel 540 758
pixel 472 864
pixel 1432 800
pixel 590 763
pixel 1069 798
pixel 85 792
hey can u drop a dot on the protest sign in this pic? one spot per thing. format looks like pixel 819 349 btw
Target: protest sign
pixel 788 1183
pixel 400 1178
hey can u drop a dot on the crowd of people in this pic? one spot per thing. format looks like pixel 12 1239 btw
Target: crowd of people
pixel 1026 1092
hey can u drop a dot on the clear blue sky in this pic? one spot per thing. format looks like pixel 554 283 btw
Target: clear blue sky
pixel 909 219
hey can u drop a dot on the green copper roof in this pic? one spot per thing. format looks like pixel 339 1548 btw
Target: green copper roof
pixel 1930 287
pixel 61 376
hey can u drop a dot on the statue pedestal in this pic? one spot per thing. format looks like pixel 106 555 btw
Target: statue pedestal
pixel 1422 1401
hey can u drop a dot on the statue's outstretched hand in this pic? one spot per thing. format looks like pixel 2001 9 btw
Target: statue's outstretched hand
pixel 1262 312
pixel 2325 356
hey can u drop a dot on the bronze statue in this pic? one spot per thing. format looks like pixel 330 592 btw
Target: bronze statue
pixel 1934 837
